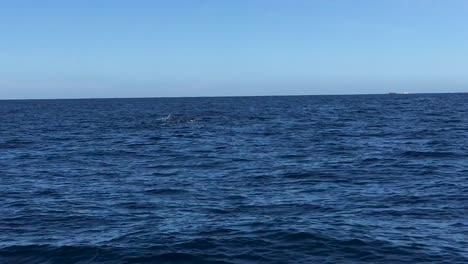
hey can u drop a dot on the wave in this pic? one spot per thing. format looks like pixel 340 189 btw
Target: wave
pixel 15 144
pixel 428 154
pixel 165 191
pixel 235 247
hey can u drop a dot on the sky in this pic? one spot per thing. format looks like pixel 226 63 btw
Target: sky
pixel 156 48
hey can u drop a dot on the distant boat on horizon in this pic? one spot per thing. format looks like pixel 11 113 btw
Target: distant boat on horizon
pixel 397 93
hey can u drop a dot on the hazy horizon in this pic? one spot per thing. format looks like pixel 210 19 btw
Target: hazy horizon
pixel 120 49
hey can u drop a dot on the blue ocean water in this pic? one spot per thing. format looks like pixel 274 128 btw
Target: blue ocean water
pixel 300 179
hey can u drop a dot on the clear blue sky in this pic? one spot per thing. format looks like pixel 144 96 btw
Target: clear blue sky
pixel 140 48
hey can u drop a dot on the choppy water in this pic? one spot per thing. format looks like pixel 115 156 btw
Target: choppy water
pixel 319 179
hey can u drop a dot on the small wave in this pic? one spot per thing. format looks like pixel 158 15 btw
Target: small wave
pixel 236 197
pixel 428 154
pixel 15 144
pixel 299 236
pixel 111 153
pixel 47 192
pixel 201 244
pixel 310 175
pixel 227 246
pixel 173 257
pixel 34 254
pixel 218 211
pixel 353 242
pixel 155 138
pixel 165 191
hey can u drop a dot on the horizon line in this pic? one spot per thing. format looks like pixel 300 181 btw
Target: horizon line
pixel 225 96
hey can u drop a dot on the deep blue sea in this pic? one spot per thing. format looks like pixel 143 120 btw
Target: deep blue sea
pixel 299 179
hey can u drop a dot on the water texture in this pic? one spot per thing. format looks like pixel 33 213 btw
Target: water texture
pixel 300 179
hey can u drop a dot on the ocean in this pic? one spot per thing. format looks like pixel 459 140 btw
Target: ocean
pixel 293 179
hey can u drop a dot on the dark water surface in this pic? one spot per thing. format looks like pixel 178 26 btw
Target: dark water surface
pixel 319 179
